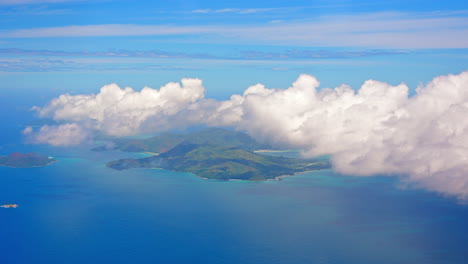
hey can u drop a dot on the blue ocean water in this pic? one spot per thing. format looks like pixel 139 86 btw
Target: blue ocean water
pixel 78 211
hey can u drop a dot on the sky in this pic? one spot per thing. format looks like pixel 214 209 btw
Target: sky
pixel 79 46
pixel 380 87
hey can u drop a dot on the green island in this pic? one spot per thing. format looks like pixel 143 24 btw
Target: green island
pixel 226 161
pixel 25 160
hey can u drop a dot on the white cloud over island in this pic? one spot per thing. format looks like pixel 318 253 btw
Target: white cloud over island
pixel 378 129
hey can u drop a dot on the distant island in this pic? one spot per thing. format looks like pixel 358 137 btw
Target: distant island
pixel 25 160
pixel 212 153
pixel 9 206
pixel 166 141
pixel 222 163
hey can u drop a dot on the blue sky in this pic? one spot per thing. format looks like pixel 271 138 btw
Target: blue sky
pixel 61 46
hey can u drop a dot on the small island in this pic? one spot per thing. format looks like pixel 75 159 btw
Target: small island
pixel 25 160
pixel 9 206
pixel 222 163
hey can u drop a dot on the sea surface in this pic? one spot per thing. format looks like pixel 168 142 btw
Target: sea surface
pixel 78 211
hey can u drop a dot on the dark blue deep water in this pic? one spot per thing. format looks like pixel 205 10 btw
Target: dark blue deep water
pixel 78 211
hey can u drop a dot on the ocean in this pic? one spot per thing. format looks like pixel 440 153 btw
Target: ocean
pixel 78 211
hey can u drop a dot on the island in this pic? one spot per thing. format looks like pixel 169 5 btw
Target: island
pixel 222 162
pixel 25 160
pixel 9 206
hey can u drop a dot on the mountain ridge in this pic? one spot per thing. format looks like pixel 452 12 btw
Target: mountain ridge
pixel 166 141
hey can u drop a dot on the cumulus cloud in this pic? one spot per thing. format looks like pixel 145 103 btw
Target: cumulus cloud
pixel 62 135
pixel 377 129
pixel 120 112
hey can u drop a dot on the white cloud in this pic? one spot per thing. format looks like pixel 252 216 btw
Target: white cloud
pixel 27 130
pixel 226 10
pixel 241 11
pixel 120 112
pixel 370 30
pixel 377 129
pixel 62 135
pixel 201 11
pixel 26 2
pixel 105 30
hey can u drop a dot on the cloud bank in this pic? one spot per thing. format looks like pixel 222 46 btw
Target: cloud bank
pixel 377 129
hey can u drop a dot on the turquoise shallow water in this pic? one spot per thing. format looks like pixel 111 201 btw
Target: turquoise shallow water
pixel 78 211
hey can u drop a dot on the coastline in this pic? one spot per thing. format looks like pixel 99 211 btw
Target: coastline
pixel 271 150
pixel 150 153
pixel 277 178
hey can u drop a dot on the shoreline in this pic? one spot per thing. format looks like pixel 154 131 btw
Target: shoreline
pixel 272 150
pixel 277 178
pixel 150 153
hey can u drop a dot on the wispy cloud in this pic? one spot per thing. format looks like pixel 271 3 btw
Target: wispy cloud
pixel 317 54
pixel 35 65
pixel 34 11
pixel 43 63
pixel 106 30
pixel 284 9
pixel 294 54
pixel 111 53
pixel 201 11
pixel 376 30
pixel 241 11
pixel 55 64
pixel 28 2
